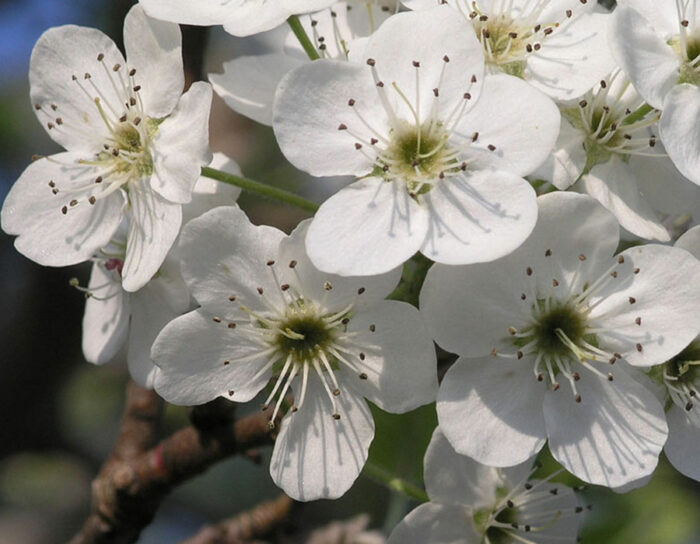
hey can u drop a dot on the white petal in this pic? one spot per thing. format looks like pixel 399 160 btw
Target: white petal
pixel 316 456
pixel 191 352
pixel 152 307
pixel 573 59
pixel 690 241
pixel 664 294
pixel 394 48
pixel 224 254
pixel 683 446
pixel 520 121
pixel 336 292
pixel 662 185
pixel 106 318
pixel 181 146
pixel 660 16
pixel 61 53
pixel 452 478
pixel 643 55
pixel 491 410
pixel 568 159
pixel 613 436
pixel 399 357
pixel 154 49
pixel 310 106
pixel 479 216
pixel 436 524
pixel 248 84
pixel 154 227
pixel 33 212
pixel 252 17
pixel 615 187
pixel 209 193
pixel 204 12
pixel 369 227
pixel 679 129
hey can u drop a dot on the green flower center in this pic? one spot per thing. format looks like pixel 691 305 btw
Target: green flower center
pixel 303 337
pixel 556 324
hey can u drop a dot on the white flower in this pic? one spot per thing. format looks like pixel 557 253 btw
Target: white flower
pixel 681 379
pixel 248 83
pixel 657 43
pixel 268 313
pixel 558 46
pixel 539 333
pixel 471 503
pixel 134 144
pixel 608 139
pixel 115 317
pixel 239 17
pixel 442 149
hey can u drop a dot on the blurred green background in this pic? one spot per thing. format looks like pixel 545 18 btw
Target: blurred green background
pixel 60 414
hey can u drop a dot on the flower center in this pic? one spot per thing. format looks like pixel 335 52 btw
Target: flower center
pixel 687 43
pixel 681 376
pixel 554 326
pixel 303 334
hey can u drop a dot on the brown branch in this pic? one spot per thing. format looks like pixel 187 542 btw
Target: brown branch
pixel 140 423
pixel 240 529
pixel 135 480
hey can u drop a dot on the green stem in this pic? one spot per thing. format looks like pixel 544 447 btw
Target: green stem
pixel 303 38
pixel 260 188
pixel 395 483
pixel 638 114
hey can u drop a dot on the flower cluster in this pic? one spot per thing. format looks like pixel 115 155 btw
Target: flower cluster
pixel 507 141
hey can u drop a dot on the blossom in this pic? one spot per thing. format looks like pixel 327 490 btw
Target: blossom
pixel 539 332
pixel 440 149
pixel 609 140
pixel 658 45
pixel 472 503
pixel 681 381
pixel 558 46
pixel 134 145
pixel 248 83
pixel 115 317
pixel 239 17
pixel 267 312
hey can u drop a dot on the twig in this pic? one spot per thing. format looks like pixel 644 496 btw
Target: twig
pixel 255 523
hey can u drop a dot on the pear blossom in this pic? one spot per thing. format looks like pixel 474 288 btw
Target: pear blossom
pixel 268 313
pixel 439 148
pixel 115 317
pixel 539 332
pixel 248 83
pixel 657 43
pixel 134 145
pixel 239 17
pixel 609 141
pixel 558 46
pixel 471 503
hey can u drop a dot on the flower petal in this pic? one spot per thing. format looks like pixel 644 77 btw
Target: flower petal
pixel 106 318
pixel 61 54
pixel 568 159
pixel 479 216
pixel 48 236
pixel 491 410
pixel 204 12
pixel 663 294
pixel 181 146
pixel 154 49
pixel 191 352
pixel 399 357
pixel 317 456
pixel 154 227
pixel 369 227
pixel 683 446
pixel 520 121
pixel 436 524
pixel 613 436
pixel 690 241
pixel 615 187
pixel 209 193
pixel 248 84
pixel 679 129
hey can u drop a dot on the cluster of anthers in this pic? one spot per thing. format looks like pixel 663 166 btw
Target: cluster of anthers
pixel 125 153
pixel 616 121
pixel 420 151
pixel 681 376
pixel 297 334
pixel 561 335
pixel 529 507
pixel 509 37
